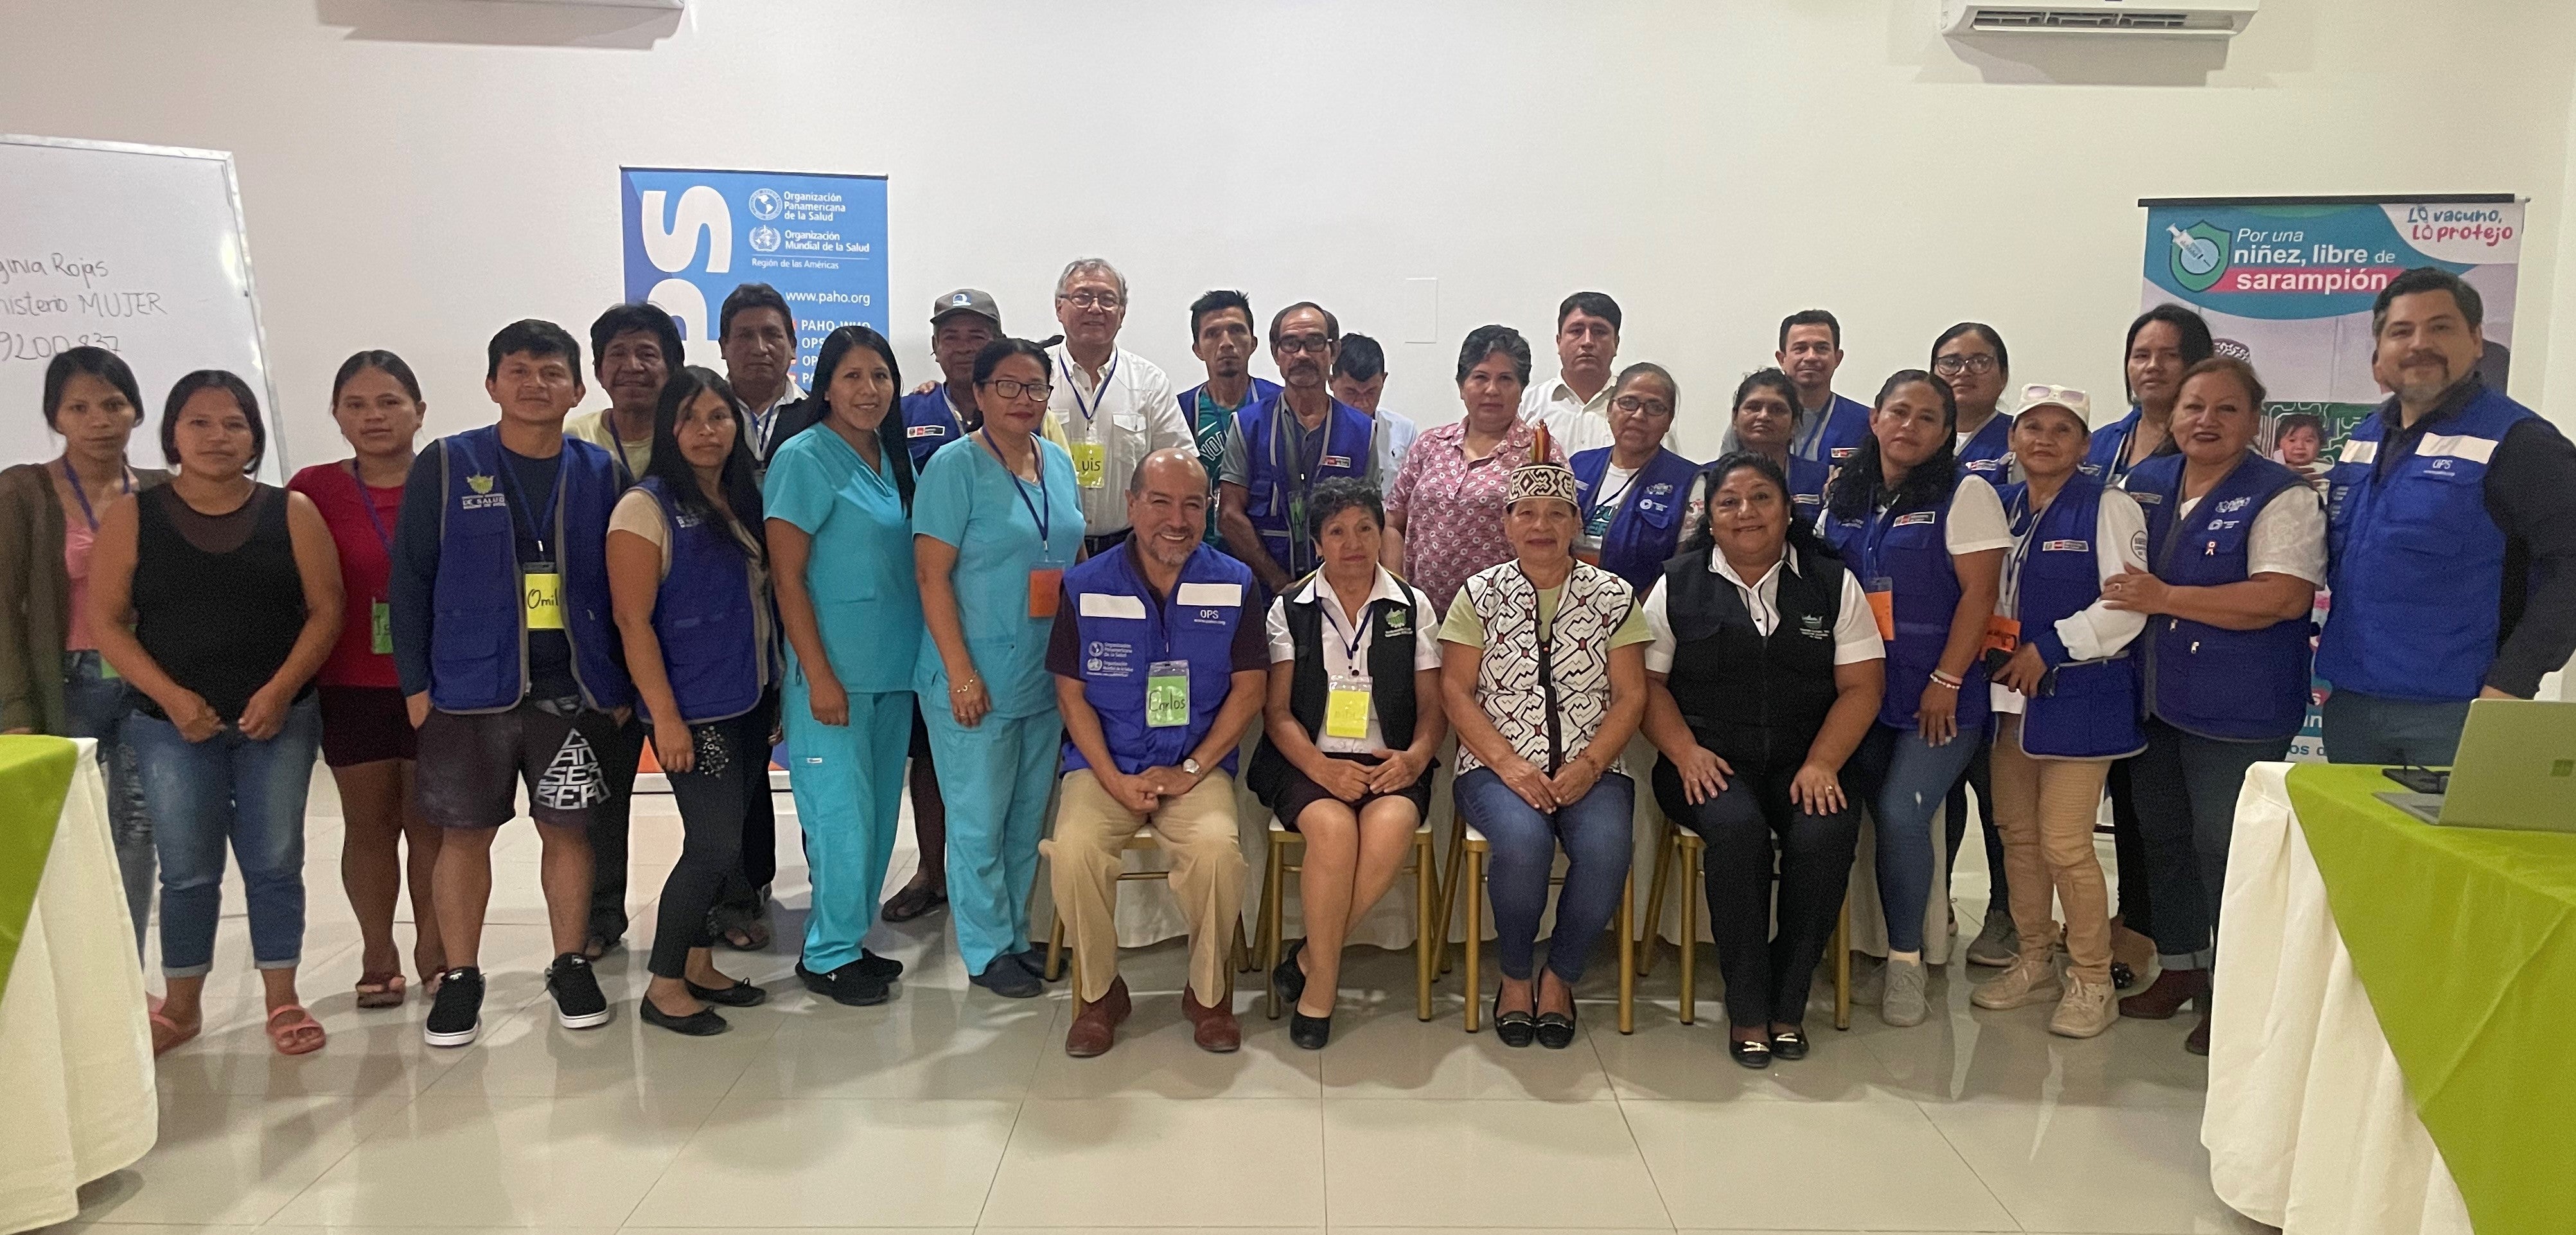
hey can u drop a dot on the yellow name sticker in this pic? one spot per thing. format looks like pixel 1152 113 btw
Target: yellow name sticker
pixel 543 592
pixel 1090 465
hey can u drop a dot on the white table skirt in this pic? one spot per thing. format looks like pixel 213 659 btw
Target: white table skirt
pixel 75 1047
pixel 2308 1123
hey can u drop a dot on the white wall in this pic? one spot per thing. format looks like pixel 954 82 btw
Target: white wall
pixel 418 172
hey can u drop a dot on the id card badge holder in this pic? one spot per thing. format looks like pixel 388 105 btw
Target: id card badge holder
pixel 2003 634
pixel 541 592
pixel 1046 586
pixel 381 619
pixel 1090 465
pixel 1882 604
pixel 1346 709
pixel 1167 694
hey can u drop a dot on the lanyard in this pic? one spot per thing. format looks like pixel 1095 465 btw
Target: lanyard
pixel 1359 629
pixel 367 503
pixel 1040 511
pixel 510 477
pixel 125 481
pixel 1099 395
pixel 2023 537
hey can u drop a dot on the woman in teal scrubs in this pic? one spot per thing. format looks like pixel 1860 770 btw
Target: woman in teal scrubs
pixel 997 521
pixel 838 497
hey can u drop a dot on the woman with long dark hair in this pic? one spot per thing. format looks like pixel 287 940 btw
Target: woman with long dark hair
pixel 1927 542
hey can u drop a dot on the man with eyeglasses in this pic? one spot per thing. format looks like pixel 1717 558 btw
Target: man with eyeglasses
pixel 1829 427
pixel 1576 406
pixel 1113 406
pixel 1285 444
pixel 1221 337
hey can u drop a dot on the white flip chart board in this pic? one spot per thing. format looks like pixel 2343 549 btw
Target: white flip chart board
pixel 137 249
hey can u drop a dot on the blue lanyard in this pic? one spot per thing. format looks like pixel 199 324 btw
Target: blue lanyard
pixel 510 477
pixel 367 503
pixel 1100 394
pixel 1040 512
pixel 125 480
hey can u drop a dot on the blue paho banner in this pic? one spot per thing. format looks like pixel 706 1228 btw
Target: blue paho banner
pixel 692 236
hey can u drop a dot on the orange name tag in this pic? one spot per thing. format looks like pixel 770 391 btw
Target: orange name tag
pixel 2003 634
pixel 1882 605
pixel 1046 584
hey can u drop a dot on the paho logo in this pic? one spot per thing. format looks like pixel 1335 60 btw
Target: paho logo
pixel 2199 256
pixel 763 239
pixel 765 203
pixel 673 248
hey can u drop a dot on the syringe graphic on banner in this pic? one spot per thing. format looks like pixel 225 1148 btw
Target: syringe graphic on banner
pixel 2198 255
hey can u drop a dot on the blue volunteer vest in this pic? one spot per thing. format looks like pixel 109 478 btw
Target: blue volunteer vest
pixel 1648 526
pixel 1268 486
pixel 1124 631
pixel 478 641
pixel 1989 450
pixel 2085 709
pixel 2415 561
pixel 1807 479
pixel 2108 446
pixel 2232 685
pixel 1909 549
pixel 928 424
pixel 704 618
pixel 1838 437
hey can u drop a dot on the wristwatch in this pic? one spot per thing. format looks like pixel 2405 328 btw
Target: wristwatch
pixel 1190 766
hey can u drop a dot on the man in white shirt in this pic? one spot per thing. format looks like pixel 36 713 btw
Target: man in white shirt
pixel 756 332
pixel 634 348
pixel 1575 406
pixel 1113 406
pixel 1359 378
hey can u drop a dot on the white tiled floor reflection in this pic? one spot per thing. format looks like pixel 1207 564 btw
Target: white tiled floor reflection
pixel 951 1110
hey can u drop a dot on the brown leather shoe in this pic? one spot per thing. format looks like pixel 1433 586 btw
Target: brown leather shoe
pixel 2198 1042
pixel 1095 1025
pixel 2165 996
pixel 1214 1029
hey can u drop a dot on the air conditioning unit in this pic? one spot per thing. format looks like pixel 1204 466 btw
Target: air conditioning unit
pixel 2209 19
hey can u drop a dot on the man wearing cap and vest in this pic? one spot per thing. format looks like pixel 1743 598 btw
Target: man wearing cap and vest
pixel 503 639
pixel 1285 444
pixel 961 323
pixel 2451 539
pixel 1112 406
pixel 1159 668
pixel 1221 337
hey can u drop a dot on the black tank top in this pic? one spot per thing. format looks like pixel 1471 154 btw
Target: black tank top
pixel 217 599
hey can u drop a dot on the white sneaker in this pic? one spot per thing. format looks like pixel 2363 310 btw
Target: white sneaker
pixel 2032 979
pixel 1999 944
pixel 1903 1003
pixel 2085 1011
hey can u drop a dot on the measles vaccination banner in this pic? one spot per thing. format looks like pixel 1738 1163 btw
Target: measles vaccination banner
pixel 2286 284
pixel 692 236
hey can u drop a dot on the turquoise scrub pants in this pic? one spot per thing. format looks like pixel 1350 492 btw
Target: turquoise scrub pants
pixel 848 781
pixel 995 778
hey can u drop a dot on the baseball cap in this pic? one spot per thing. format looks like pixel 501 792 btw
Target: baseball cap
pixel 967 300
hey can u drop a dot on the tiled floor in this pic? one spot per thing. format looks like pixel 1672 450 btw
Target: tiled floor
pixel 952 1110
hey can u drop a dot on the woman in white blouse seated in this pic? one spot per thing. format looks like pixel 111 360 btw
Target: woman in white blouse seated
pixel 1348 738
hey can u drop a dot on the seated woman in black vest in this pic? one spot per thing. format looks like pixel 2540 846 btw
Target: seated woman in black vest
pixel 1766 672
pixel 1348 738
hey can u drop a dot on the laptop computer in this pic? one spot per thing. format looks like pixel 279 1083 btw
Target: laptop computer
pixel 2516 769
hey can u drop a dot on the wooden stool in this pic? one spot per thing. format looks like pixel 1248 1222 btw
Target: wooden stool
pixel 1144 838
pixel 1691 850
pixel 1473 846
pixel 1272 914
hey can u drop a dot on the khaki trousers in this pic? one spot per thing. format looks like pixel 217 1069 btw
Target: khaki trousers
pixel 2045 809
pixel 1086 854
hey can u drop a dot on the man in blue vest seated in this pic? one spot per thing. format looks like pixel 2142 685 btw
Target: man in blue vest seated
pixel 502 635
pixel 2450 537
pixel 1160 665
pixel 1285 444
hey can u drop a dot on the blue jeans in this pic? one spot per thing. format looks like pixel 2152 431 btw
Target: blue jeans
pixel 229 788
pixel 2186 787
pixel 2376 729
pixel 1596 832
pixel 1903 780
pixel 100 707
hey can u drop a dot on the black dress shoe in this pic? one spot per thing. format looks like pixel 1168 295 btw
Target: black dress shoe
pixel 1790 1045
pixel 882 968
pixel 1310 1032
pixel 1556 1030
pixel 1290 979
pixel 739 995
pixel 1755 1054
pixel 845 985
pixel 1516 1028
pixel 704 1023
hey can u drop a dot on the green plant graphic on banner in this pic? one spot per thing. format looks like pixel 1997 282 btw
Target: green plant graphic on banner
pixel 2199 255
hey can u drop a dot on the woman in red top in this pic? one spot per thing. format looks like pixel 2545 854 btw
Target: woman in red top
pixel 366 733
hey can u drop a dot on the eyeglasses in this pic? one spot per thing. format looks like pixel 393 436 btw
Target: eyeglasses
pixel 1295 343
pixel 1035 392
pixel 1634 403
pixel 1089 300
pixel 1952 366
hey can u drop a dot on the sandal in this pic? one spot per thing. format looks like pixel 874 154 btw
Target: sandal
pixel 913 901
pixel 176 1038
pixel 380 990
pixel 299 1035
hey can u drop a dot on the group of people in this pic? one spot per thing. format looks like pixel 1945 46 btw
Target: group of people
pixel 1048 583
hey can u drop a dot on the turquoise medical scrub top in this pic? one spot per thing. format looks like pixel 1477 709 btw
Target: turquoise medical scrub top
pixel 968 499
pixel 866 601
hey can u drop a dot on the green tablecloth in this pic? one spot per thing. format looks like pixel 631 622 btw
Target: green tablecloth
pixel 2466 941
pixel 35 774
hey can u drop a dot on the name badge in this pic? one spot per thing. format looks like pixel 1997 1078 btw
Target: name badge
pixel 541 591
pixel 1046 586
pixel 926 431
pixel 1346 709
pixel 1167 694
pixel 1090 465
pixel 1920 518
pixel 382 615
pixel 1882 605
pixel 2003 634
pixel 1341 461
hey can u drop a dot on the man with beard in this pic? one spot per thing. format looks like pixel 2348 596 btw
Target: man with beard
pixel 1221 337
pixel 1576 406
pixel 2450 535
pixel 1284 445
